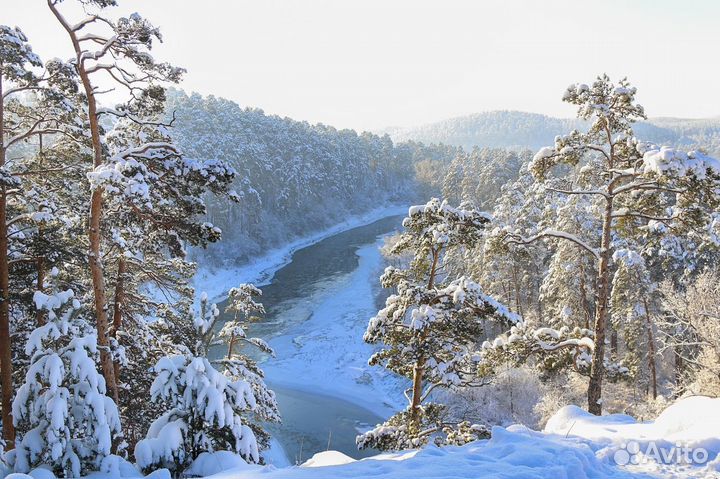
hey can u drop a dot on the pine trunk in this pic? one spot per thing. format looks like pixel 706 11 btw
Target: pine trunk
pixel 419 366
pixel 597 368
pixel 651 349
pixel 96 203
pixel 117 308
pixel 418 370
pixel 5 342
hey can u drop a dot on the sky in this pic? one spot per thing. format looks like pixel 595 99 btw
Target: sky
pixel 369 64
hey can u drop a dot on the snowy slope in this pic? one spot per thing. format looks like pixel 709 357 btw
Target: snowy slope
pixel 508 454
pixel 574 445
pixel 681 442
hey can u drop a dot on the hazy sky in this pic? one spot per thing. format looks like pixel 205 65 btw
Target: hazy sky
pixel 367 64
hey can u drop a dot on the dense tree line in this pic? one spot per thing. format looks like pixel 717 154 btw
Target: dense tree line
pixel 294 177
pixel 595 241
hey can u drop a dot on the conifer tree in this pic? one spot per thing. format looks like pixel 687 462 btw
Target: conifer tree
pixel 48 112
pixel 119 51
pixel 429 327
pixel 65 419
pixel 638 188
pixel 209 409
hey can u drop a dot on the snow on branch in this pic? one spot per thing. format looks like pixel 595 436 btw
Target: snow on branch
pixel 549 233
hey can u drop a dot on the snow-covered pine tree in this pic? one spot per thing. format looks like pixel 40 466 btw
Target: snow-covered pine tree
pixel 429 328
pixel 514 275
pixel 32 104
pixel 208 409
pixel 639 189
pixel 62 414
pixel 117 50
pixel 157 209
pixel 632 306
pixel 236 365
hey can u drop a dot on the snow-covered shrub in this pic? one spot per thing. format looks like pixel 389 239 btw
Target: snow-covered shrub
pixel 207 408
pixel 463 433
pixel 63 417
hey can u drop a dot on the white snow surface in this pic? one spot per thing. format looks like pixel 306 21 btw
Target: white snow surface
pixel 692 422
pixel 328 458
pixel 217 281
pixel 509 454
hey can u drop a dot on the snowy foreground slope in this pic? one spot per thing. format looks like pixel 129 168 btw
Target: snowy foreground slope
pixel 574 445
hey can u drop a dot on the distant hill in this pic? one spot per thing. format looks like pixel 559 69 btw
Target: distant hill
pixel 517 129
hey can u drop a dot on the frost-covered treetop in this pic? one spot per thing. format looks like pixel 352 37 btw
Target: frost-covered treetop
pixel 437 224
pixel 605 104
pixel 16 55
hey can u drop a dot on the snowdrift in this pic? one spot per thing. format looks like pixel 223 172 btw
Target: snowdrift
pixel 509 454
pixel 574 445
pixel 691 424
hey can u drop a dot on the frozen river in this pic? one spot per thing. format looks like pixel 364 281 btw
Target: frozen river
pixel 317 308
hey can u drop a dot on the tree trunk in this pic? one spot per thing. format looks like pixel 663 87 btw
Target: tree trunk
pixel 5 341
pixel 583 295
pixel 419 366
pixel 679 388
pixel 516 287
pixel 651 349
pixel 117 308
pixel 597 368
pixel 231 344
pixel 96 203
pixel 40 265
pixel 418 370
pixel 614 343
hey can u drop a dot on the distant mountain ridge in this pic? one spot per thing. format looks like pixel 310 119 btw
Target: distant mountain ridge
pixel 517 129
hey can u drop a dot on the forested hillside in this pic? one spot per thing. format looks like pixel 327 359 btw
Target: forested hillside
pixel 517 129
pixel 293 177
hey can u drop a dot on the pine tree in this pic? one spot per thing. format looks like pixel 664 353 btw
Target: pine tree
pixel 207 409
pixel 21 123
pixel 638 187
pixel 429 327
pixel 123 56
pixel 65 419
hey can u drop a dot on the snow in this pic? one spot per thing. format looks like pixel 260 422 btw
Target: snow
pixel 328 458
pixel 207 464
pixel 574 445
pixel 515 452
pixel 217 281
pixel 692 422
pixel 543 153
pixel 664 160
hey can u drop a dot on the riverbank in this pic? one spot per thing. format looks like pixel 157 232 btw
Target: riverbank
pixel 327 391
pixel 217 281
pixel 326 354
pixel 319 293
